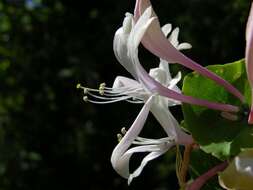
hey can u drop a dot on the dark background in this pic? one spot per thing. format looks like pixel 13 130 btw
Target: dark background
pixel 50 138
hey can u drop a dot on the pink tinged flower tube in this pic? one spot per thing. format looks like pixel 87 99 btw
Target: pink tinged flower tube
pixel 249 58
pixel 156 42
pixel 146 89
pixel 136 35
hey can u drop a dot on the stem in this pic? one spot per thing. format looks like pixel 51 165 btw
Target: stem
pixel 201 180
pixel 186 161
pixel 250 119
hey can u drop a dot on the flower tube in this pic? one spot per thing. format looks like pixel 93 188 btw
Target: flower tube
pixel 156 42
pixel 249 58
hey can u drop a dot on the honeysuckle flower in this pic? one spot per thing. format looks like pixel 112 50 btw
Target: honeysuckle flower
pixel 125 46
pixel 149 87
pixel 126 42
pixel 249 58
pixel 136 92
pixel 155 147
pixel 155 41
pixel 159 107
pixel 157 90
pixel 239 173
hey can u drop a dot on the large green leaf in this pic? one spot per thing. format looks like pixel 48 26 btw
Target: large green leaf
pixel 215 134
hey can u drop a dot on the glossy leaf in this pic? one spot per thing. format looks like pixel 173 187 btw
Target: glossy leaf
pixel 217 135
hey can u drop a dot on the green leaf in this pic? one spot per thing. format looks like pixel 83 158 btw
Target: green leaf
pixel 215 134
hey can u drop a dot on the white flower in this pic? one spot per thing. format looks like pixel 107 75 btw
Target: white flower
pixel 126 43
pixel 142 90
pixel 157 90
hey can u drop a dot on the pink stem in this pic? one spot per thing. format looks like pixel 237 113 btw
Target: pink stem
pixel 201 180
pixel 250 119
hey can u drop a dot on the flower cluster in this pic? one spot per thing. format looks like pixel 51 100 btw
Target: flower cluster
pixel 158 91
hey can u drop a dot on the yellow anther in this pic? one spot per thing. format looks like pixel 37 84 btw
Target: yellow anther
pixel 85 91
pixel 101 90
pixel 119 137
pixel 123 130
pixel 102 85
pixel 85 98
pixel 78 85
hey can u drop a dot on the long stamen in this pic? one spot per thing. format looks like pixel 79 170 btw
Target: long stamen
pixel 106 95
pixel 135 101
pixel 105 102
pixel 123 91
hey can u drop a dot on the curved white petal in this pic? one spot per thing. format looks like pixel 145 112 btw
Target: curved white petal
pixel 119 162
pixel 183 46
pixel 155 40
pixel 174 37
pixel 140 28
pixel 121 81
pixel 173 82
pixel 120 45
pixel 170 125
pixel 159 75
pixel 121 165
pixel 167 29
pixel 149 157
pixel 164 65
pixel 135 37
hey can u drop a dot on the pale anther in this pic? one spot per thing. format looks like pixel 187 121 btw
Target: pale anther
pixel 101 90
pixel 119 137
pixel 102 85
pixel 123 130
pixel 85 90
pixel 85 98
pixel 78 85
